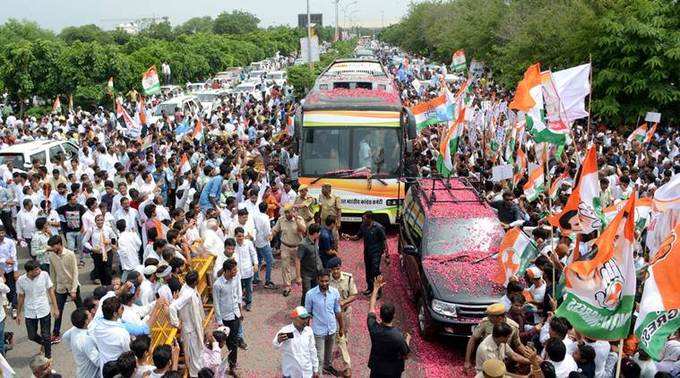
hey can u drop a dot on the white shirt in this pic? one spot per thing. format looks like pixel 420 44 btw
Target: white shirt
pixel 131 218
pixel 36 292
pixel 147 292
pixel 8 250
pixel 601 352
pixel 213 242
pixel 111 339
pixel 85 352
pixel 128 247
pixel 298 355
pixel 26 223
pixel 564 367
pixel 263 229
pixel 246 256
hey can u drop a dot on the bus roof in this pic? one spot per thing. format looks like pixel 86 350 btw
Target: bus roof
pixel 357 99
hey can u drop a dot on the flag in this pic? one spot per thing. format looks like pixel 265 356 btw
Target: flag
pixel 659 311
pixel 557 184
pixel 572 86
pixel 639 134
pixel 184 165
pixel 449 145
pixel 665 213
pixel 515 254
pixel 182 128
pixel 427 113
pixel 70 103
pixel 109 85
pixel 650 133
pixel 56 105
pixel 458 62
pixel 583 211
pixel 141 111
pixel 535 185
pixel 601 289
pixel 643 210
pixel 198 130
pixel 150 81
pixel 520 165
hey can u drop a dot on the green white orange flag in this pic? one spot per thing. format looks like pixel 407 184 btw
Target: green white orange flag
pixel 520 166
pixel 458 62
pixel 535 185
pixel 449 145
pixel 515 254
pixel 650 133
pixel 600 288
pixel 557 184
pixel 150 81
pixel 643 211
pixel 583 210
pixel 659 312
pixel 198 130
pixel 638 134
pixel 56 105
pixel 428 113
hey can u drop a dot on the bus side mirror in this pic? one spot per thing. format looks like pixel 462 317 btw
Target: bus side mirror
pixel 410 125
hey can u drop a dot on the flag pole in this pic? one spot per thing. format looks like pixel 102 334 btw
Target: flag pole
pixel 618 362
pixel 590 94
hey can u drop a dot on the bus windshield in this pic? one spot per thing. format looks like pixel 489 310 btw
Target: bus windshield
pixel 329 150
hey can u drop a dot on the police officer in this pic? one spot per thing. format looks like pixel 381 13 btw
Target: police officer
pixel 495 314
pixel 344 283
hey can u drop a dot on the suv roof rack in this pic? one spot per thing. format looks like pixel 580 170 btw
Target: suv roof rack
pixel 446 184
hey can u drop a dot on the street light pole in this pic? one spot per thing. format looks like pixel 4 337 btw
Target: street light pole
pixel 337 32
pixel 309 37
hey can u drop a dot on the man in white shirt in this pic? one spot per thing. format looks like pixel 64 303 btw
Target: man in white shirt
pixel 129 244
pixel 246 256
pixel 557 355
pixel 36 298
pixel 8 263
pixel 298 350
pixel 111 338
pixel 227 297
pixel 82 345
pixel 263 231
pixel 130 215
pixel 188 308
pixel 212 242
pixel 26 222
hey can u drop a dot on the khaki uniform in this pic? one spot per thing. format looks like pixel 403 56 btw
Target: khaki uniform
pixel 305 211
pixel 489 350
pixel 347 288
pixel 485 328
pixel 330 206
pixel 290 240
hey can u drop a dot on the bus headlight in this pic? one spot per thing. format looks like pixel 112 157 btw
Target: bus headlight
pixel 393 202
pixel 444 308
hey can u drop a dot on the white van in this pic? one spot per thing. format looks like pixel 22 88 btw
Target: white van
pixel 186 105
pixel 45 151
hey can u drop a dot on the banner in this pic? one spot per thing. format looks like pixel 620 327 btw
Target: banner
pixel 150 81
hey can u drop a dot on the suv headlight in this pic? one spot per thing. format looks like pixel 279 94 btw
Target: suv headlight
pixel 444 308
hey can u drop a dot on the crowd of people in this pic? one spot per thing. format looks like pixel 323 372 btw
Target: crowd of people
pixel 141 208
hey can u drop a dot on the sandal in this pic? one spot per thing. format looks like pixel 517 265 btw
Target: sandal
pixel 286 292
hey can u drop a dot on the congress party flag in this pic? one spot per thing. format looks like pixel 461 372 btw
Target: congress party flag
pixel 659 312
pixel 643 211
pixel 429 112
pixel 639 134
pixel 184 165
pixel 650 133
pixel 665 212
pixel 535 185
pixel 601 287
pixel 583 210
pixel 458 62
pixel 150 81
pixel 557 184
pixel 515 254
pixel 56 105
pixel 520 166
pixel 198 130
pixel 449 145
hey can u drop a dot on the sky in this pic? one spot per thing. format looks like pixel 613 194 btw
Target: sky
pixel 55 15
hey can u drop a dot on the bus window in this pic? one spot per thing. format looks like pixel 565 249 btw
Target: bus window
pixel 325 150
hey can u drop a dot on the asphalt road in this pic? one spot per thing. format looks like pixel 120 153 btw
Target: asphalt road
pixel 441 358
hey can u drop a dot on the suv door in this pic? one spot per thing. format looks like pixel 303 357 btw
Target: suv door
pixel 56 153
pixel 413 221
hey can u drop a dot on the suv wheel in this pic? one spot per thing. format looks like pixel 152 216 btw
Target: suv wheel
pixel 424 321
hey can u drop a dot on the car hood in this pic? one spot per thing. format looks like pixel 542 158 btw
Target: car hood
pixel 464 277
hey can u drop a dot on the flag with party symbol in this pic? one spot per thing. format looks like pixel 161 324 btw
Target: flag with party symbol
pixel 515 254
pixel 150 81
pixel 639 134
pixel 659 312
pixel 600 287
pixel 535 185
pixel 449 145
pixel 458 62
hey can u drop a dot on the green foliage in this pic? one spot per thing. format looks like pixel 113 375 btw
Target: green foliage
pixel 159 30
pixel 85 33
pixel 196 25
pixel 14 30
pixel 38 111
pixel 634 44
pixel 236 22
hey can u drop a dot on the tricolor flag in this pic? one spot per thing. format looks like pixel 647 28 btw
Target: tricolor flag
pixel 449 145
pixel 458 62
pixel 109 85
pixel 56 105
pixel 535 185
pixel 184 165
pixel 659 312
pixel 428 113
pixel 515 254
pixel 650 133
pixel 643 211
pixel 150 81
pixel 601 288
pixel 198 130
pixel 665 213
pixel 520 165
pixel 639 134
pixel 557 184
pixel 141 111
pixel 583 211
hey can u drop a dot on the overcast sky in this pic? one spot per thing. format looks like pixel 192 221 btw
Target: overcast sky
pixel 107 14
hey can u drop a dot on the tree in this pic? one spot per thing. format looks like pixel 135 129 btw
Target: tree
pixel 16 59
pixel 85 33
pixel 160 30
pixel 196 25
pixel 236 22
pixel 14 30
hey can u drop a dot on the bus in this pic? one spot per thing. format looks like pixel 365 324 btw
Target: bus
pixel 353 138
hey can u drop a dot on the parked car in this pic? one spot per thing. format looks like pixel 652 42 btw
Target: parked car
pixel 278 77
pixel 448 240
pixel 210 99
pixel 247 88
pixel 45 151
pixel 186 104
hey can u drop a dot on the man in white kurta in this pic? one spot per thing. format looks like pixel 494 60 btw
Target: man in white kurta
pixel 188 308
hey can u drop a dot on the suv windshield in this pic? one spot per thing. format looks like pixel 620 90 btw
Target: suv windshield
pixel 326 150
pixel 17 159
pixel 447 236
pixel 168 107
pixel 207 97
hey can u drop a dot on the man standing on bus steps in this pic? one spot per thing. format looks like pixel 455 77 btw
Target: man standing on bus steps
pixel 303 204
